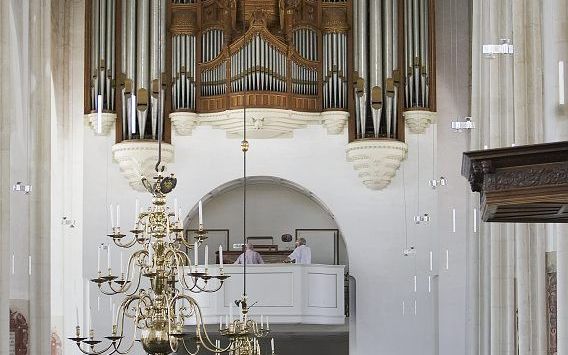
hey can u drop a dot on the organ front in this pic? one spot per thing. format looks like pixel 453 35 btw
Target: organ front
pixel 147 61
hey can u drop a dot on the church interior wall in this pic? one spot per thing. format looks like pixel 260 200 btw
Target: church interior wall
pixel 372 222
pixel 376 225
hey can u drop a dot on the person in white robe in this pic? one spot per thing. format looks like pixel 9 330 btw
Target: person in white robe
pixel 251 255
pixel 302 254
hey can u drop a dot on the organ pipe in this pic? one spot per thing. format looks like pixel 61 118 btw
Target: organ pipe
pixel 102 65
pixel 379 71
pixel 377 47
pixel 417 52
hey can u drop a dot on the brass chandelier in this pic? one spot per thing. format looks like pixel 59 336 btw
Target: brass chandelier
pixel 161 311
pixel 159 278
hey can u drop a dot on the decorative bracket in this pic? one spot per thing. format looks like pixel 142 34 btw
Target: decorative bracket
pixel 419 120
pixel 376 161
pixel 138 158
pixel 102 128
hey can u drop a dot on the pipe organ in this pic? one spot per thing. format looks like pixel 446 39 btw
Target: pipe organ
pixel 148 58
pixel 393 64
pixel 214 55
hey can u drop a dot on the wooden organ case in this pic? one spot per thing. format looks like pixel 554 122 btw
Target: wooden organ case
pixel 288 54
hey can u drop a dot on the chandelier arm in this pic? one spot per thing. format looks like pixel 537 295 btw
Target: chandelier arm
pixel 130 273
pixel 197 348
pixel 179 265
pixel 106 292
pixel 93 352
pixel 137 285
pixel 124 305
pixel 201 325
pixel 117 242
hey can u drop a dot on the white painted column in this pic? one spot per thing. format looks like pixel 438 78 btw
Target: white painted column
pixel 6 113
pixel 497 290
pixel 40 163
pixel 538 286
pixel 523 288
pixel 555 49
pixel 485 292
pixel 562 287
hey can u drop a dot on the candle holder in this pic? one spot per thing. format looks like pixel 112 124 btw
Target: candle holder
pixel 116 234
pixel 201 234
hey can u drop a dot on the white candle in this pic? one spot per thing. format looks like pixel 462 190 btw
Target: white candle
pixel 111 215
pixel 108 257
pixel 206 261
pixel 267 324
pixel 113 313
pixel 272 345
pixel 121 261
pixel 227 320
pixel 135 329
pixel 200 213
pixel 195 255
pixel 220 322
pixel 99 259
pixel 176 208
pixel 90 318
pixel 136 211
pixel 77 314
pixel 561 99
pixel 261 321
pixel 221 256
pixel 133 114
pixel 99 113
pixel 118 215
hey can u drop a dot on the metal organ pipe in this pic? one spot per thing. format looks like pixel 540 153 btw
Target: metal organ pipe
pixel 142 64
pixel 416 49
pixel 154 60
pixel 100 44
pixel 417 66
pixel 377 47
pixel 425 65
pixel 123 50
pixel 395 70
pixel 388 64
pixel 361 94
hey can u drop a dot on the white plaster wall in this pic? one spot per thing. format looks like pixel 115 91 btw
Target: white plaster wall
pixel 372 221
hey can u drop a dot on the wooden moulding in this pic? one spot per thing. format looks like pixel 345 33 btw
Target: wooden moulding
pixel 524 184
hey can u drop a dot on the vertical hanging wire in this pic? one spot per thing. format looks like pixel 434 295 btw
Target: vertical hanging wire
pixel 159 101
pixel 244 149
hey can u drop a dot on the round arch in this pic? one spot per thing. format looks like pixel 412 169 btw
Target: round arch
pixel 263 180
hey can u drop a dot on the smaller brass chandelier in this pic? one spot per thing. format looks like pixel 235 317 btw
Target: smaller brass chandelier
pixel 244 333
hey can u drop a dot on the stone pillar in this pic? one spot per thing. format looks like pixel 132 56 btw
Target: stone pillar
pixel 562 287
pixel 538 285
pixel 555 49
pixel 6 112
pixel 523 288
pixel 40 163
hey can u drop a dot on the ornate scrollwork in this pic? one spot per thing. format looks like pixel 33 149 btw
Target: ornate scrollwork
pixel 556 174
